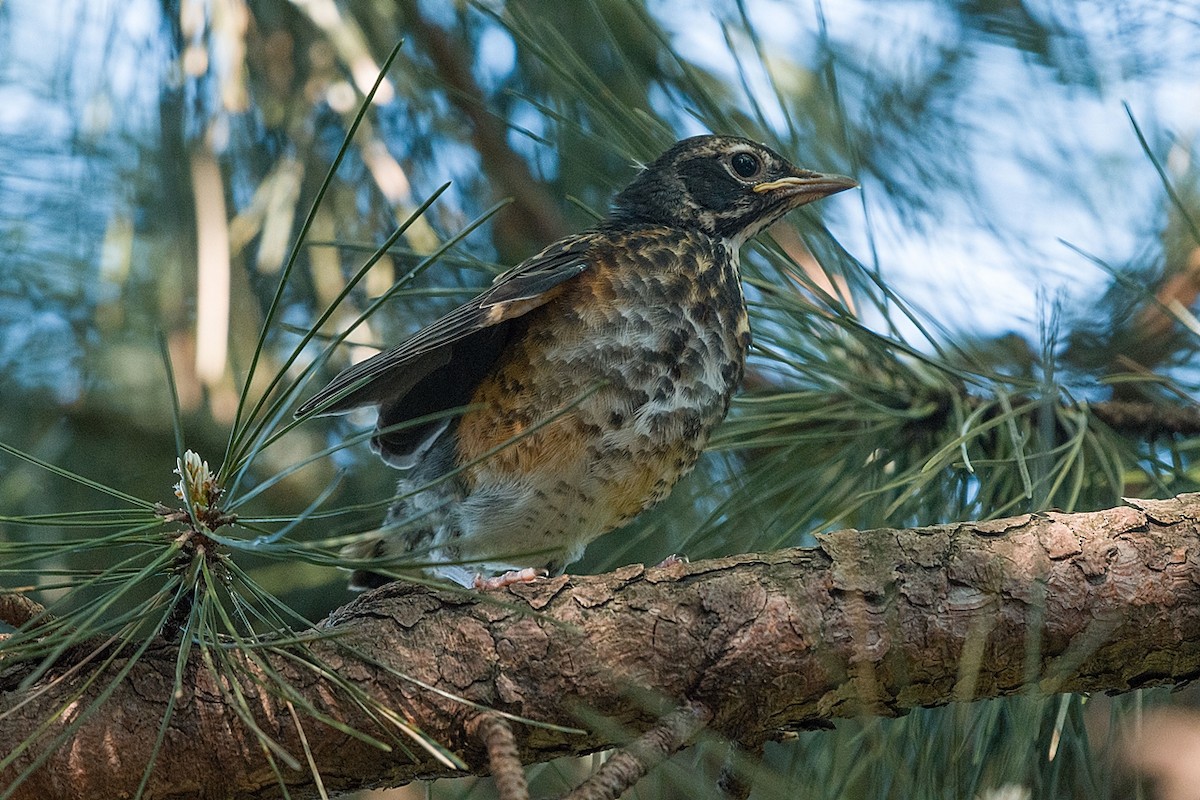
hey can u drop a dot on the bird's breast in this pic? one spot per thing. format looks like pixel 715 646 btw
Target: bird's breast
pixel 616 384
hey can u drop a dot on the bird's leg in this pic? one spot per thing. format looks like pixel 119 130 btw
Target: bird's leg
pixel 527 575
pixel 672 560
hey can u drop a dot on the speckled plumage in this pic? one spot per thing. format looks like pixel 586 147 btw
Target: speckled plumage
pixel 592 374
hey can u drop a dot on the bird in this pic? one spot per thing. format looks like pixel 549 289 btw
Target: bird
pixel 575 391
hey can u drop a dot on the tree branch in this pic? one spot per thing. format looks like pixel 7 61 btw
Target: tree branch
pixel 504 761
pixel 1143 418
pixel 534 217
pixel 874 622
pixel 17 609
pixel 654 746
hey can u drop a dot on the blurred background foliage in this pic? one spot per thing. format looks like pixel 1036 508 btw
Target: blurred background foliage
pixel 1000 321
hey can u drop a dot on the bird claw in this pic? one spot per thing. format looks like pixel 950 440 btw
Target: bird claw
pixel 527 575
pixel 672 560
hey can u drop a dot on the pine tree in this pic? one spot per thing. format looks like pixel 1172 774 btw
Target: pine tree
pixel 998 327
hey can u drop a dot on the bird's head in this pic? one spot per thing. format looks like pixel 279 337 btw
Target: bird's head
pixel 729 187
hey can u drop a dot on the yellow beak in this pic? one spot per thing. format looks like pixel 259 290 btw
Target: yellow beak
pixel 810 184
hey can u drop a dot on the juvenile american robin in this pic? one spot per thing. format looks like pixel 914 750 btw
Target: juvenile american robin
pixel 587 379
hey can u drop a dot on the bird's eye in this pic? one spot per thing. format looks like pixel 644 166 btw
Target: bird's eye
pixel 745 164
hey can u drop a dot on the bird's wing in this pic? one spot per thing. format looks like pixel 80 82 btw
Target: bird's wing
pixel 389 376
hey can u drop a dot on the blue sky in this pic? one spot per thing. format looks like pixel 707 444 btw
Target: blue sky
pixel 1040 160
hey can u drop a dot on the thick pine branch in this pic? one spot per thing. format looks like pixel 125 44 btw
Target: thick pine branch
pixel 870 622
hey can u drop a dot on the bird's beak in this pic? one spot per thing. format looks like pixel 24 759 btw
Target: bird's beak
pixel 806 186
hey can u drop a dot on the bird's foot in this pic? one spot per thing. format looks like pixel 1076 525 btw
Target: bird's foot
pixel 672 560
pixel 527 575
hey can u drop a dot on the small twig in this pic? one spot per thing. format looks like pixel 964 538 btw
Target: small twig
pixel 503 759
pixel 734 783
pixel 16 609
pixel 629 765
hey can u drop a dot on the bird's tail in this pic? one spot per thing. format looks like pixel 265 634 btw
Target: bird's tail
pixel 365 549
pixel 400 545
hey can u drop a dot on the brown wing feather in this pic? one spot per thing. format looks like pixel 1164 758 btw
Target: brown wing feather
pixel 389 376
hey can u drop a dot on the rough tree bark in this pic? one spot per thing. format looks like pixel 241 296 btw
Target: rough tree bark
pixel 869 622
